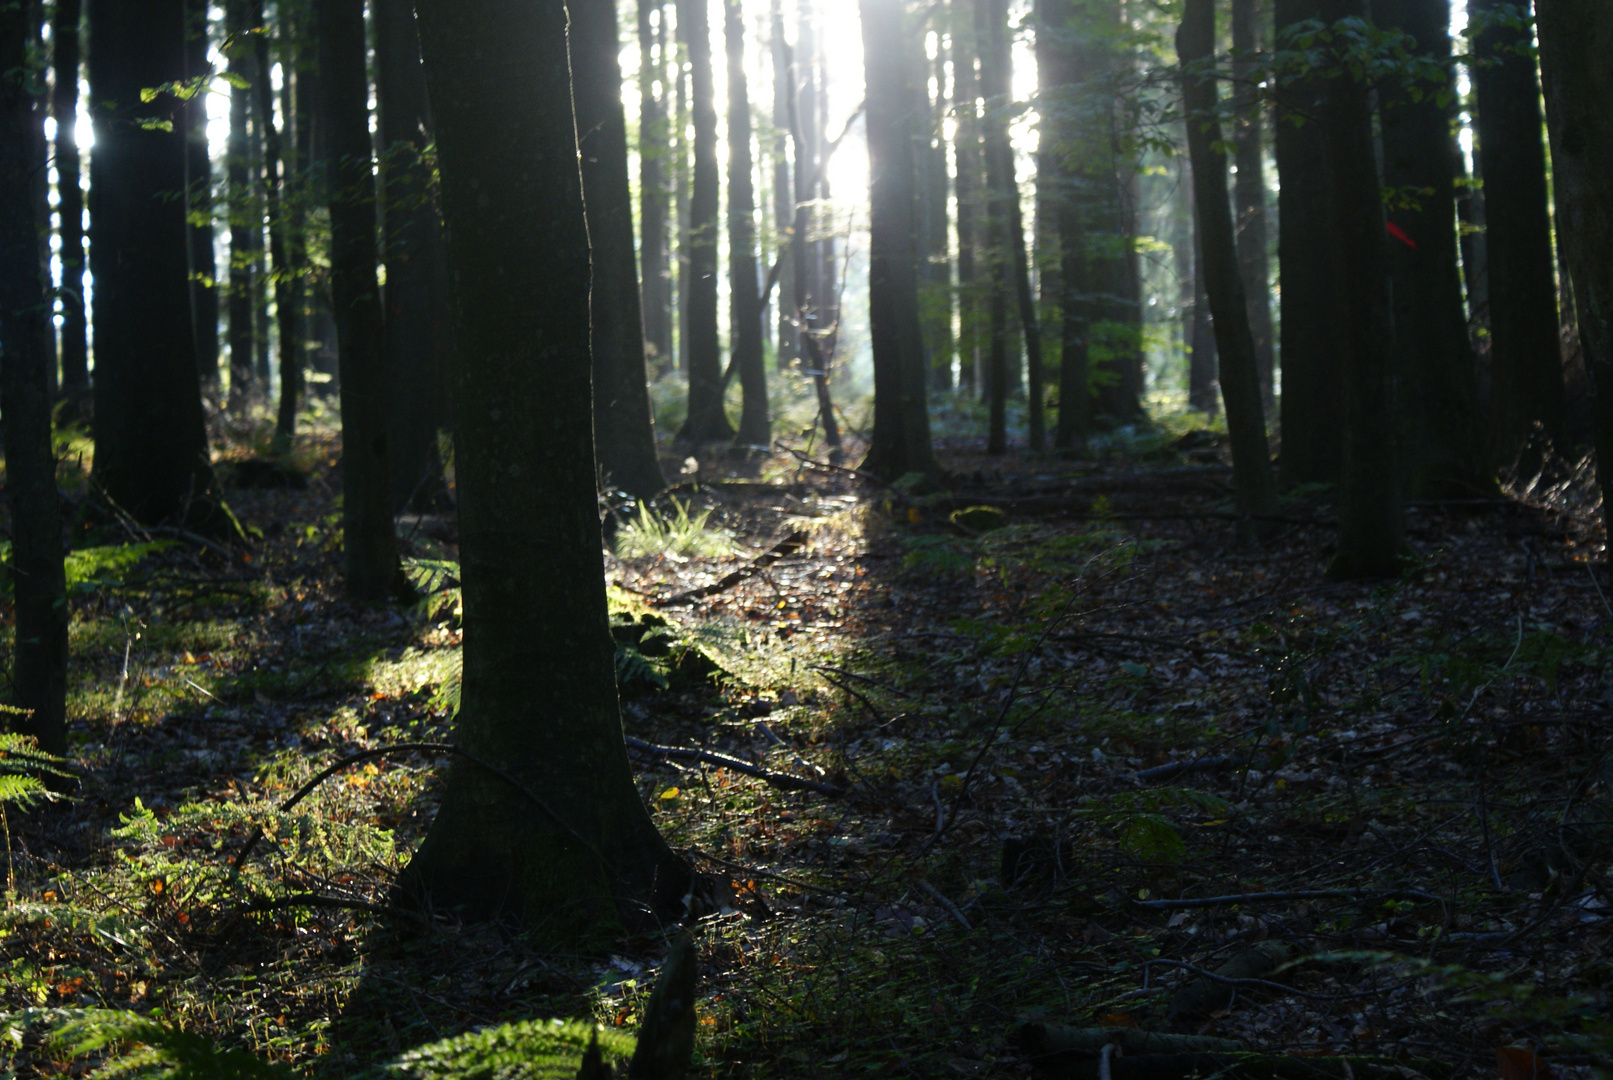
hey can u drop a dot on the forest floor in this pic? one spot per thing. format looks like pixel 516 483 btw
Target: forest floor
pixel 1067 739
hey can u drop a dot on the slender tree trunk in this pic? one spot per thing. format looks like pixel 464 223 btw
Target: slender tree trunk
pixel 1371 519
pixel 39 591
pixel 262 345
pixel 1525 350
pixel 199 183
pixel 681 177
pixel 1444 442
pixel 1203 376
pixel 369 543
pixel 75 333
pixel 1059 35
pixel 1254 487
pixel 151 455
pixel 707 422
pixel 901 439
pixel 276 192
pixel 417 338
pixel 1249 188
pixel 1576 38
pixel 1313 359
pixel 783 188
pixel 967 184
pixel 745 302
pixel 624 438
pixel 935 262
pixel 994 76
pixel 242 200
pixel 656 288
pixel 296 108
pixel 571 849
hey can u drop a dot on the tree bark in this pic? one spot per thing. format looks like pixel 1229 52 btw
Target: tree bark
pixel 1313 361
pixel 1576 38
pixel 572 850
pixel 75 331
pixel 707 421
pixel 369 542
pixel 416 337
pixel 934 259
pixel 656 287
pixel 901 438
pixel 39 590
pixel 1444 442
pixel 744 288
pixel 1525 350
pixel 967 184
pixel 199 184
pixel 276 197
pixel 1254 488
pixel 242 201
pixel 151 455
pixel 1203 374
pixel 994 77
pixel 1371 538
pixel 1249 187
pixel 624 438
pixel 783 187
pixel 298 108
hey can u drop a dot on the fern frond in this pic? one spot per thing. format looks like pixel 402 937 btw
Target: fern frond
pixel 144 1047
pixel 23 791
pixel 527 1050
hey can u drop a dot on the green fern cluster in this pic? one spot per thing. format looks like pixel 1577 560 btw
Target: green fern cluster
pixel 679 533
pixel 23 766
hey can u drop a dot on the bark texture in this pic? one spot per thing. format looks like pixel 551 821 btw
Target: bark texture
pixel 1249 186
pixel 75 331
pixel 242 201
pixel 656 287
pixel 199 183
pixel 39 590
pixel 571 851
pixel 744 287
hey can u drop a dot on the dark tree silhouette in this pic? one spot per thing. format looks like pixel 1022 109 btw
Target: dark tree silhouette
pixel 1254 488
pixel 707 421
pixel 624 439
pixel 369 543
pixel 1525 353
pixel 297 105
pixel 1313 364
pixel 656 289
pixel 1249 186
pixel 199 181
pixel 1576 38
pixel 968 183
pixel 151 455
pixel 242 201
pixel 783 185
pixel 1203 365
pixel 74 332
pixel 934 258
pixel 417 339
pixel 744 297
pixel 1444 443
pixel 992 38
pixel 39 658
pixel 901 437
pixel 557 836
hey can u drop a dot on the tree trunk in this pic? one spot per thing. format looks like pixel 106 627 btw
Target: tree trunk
pixel 1576 38
pixel 967 184
pixel 151 455
pixel 783 187
pixel 199 184
pixel 39 590
pixel 261 342
pixel 277 196
pixel 416 335
pixel 901 439
pixel 571 849
pixel 624 437
pixel 1203 385
pixel 1444 444
pixel 1525 350
pixel 296 108
pixel 238 177
pixel 934 261
pixel 1060 34
pixel 1371 519
pixel 656 287
pixel 994 77
pixel 745 301
pixel 681 176
pixel 369 543
pixel 1313 360
pixel 1249 188
pixel 1254 488
pixel 75 333
pixel 707 422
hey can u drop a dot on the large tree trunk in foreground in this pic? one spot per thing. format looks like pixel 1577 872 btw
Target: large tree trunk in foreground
pixel 416 336
pixel 151 455
pixel 745 301
pixel 1254 488
pixel 1444 449
pixel 901 438
pixel 1525 350
pixel 572 850
pixel 1372 539
pixel 75 331
pixel 1313 364
pixel 656 286
pixel 1576 39
pixel 39 664
pixel 624 439
pixel 1249 189
pixel 707 421
pixel 369 544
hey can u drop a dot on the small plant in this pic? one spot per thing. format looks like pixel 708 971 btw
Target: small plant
pixel 680 534
pixel 22 764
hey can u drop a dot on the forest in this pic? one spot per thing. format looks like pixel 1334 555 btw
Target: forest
pixel 781 538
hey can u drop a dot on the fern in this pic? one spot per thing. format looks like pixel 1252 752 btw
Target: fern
pixel 527 1050
pixel 22 764
pixel 139 1046
pixel 437 581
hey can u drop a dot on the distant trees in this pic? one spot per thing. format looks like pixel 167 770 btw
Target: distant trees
pixel 744 295
pixel 75 330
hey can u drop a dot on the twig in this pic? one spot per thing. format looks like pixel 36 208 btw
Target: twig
pixel 1301 894
pixel 1177 768
pixel 862 678
pixel 785 781
pixel 791 882
pixel 788 546
pixel 1266 984
pixel 952 909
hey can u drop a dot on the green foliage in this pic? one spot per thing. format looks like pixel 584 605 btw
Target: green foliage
pixel 1141 822
pixel 132 1045
pixel 528 1050
pixel 92 568
pixel 680 533
pixel 22 764
pixel 437 582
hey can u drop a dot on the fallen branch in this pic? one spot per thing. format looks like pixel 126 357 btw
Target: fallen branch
pixel 1177 768
pixel 952 909
pixel 783 781
pixel 1301 894
pixel 1249 1067
pixel 788 546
